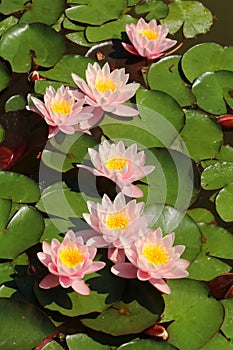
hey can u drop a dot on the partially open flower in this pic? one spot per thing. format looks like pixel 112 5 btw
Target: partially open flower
pixel 120 164
pixel 153 258
pixel 107 91
pixel 63 112
pixel 117 223
pixel 68 262
pixel 148 39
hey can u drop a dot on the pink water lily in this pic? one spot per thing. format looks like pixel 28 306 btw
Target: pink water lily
pixel 153 258
pixel 68 262
pixel 148 39
pixel 116 224
pixel 62 111
pixel 107 91
pixel 121 164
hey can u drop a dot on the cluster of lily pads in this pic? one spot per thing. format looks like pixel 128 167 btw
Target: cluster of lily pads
pixel 116 177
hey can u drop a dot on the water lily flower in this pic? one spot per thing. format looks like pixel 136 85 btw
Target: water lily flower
pixel 107 91
pixel 120 164
pixel 68 262
pixel 63 112
pixel 153 258
pixel 116 224
pixel 148 39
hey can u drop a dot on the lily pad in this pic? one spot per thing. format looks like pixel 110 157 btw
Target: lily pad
pixel 140 307
pixel 4 76
pixel 192 15
pixel 217 176
pixel 228 320
pixel 83 342
pixel 15 103
pixel 212 91
pixel 153 8
pixel 96 13
pixel 1 133
pixel 41 85
pixel 7 23
pixel 225 154
pixel 223 203
pixel 201 136
pixel 20 320
pixel 22 42
pixel 201 215
pixel 190 306
pixel 216 58
pixel 7 7
pixel 218 342
pixel 164 75
pixel 146 344
pixel 79 38
pixel 56 228
pixel 53 345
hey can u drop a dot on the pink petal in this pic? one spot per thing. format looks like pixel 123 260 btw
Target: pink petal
pixel 125 270
pixel 161 285
pixel 130 48
pixel 80 287
pixel 95 266
pixel 49 281
pixel 116 255
pixel 132 191
pixel 123 110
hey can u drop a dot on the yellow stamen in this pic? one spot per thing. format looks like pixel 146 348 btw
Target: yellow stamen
pixel 71 256
pixel 116 163
pixel 104 85
pixel 117 221
pixel 61 106
pixel 150 34
pixel 155 254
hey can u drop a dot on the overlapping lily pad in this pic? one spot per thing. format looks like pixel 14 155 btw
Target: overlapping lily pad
pixel 146 344
pixel 224 203
pixel 4 76
pixel 152 9
pixel 83 342
pixel 217 176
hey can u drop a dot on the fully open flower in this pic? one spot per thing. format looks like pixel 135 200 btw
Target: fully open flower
pixel 117 223
pixel 120 164
pixel 148 39
pixel 68 262
pixel 107 91
pixel 153 258
pixel 62 111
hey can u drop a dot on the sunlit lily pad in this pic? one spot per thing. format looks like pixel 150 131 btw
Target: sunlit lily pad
pixel 83 342
pixel 4 76
pixel 153 9
pixel 79 38
pixel 93 12
pixel 216 58
pixel 164 75
pixel 217 176
pixel 192 15
pixel 15 103
pixel 53 345
pixel 146 344
pixel 212 91
pixel 190 306
pixel 7 7
pixel 228 320
pixel 224 202
pixel 22 42
pixel 201 215
pixel 218 342
pixel 1 133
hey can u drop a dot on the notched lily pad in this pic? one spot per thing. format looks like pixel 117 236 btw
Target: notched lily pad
pixel 217 175
pixel 4 76
pixel 152 8
pixel 223 203
pixel 23 42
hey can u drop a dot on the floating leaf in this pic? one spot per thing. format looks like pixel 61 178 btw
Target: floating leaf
pixel 41 85
pixel 153 8
pixel 111 30
pixel 146 344
pixel 193 15
pixel 201 215
pixel 18 188
pixel 15 103
pixel 201 136
pixel 212 91
pixel 53 345
pixel 140 307
pixel 218 342
pixel 225 154
pixel 1 134
pixel 228 320
pixel 4 76
pixel 190 306
pixel 7 7
pixel 83 342
pixel 164 75
pixel 96 13
pixel 216 58
pixel 56 228
pixel 20 321
pixel 21 42
pixel 223 203
pixel 217 176
pixel 79 38
pixel 7 23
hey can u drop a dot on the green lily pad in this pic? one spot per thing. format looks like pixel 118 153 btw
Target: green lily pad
pixel 83 342
pixel 7 7
pixel 223 203
pixel 20 320
pixel 51 11
pixel 228 319
pixel 192 15
pixel 7 23
pixel 187 232
pixel 111 30
pixel 218 342
pixel 65 67
pixel 19 188
pixel 41 85
pixel 216 58
pixel 140 307
pixel 96 13
pixel 15 103
pixel 217 176
pixel 25 228
pixel 4 76
pixel 190 306
pixel 153 8
pixel 56 228
pixel 79 38
pixel 201 136
pixel 201 215
pixel 164 75
pixel 212 91
pixel 225 154
pixel 5 209
pixel 67 24
pixel 1 133
pixel 20 41
pixel 53 345
pixel 106 289
pixel 212 236
pixel 6 272
pixel 146 344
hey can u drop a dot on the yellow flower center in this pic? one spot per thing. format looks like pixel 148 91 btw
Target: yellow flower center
pixel 116 163
pixel 150 34
pixel 61 106
pixel 104 85
pixel 155 254
pixel 71 256
pixel 117 221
